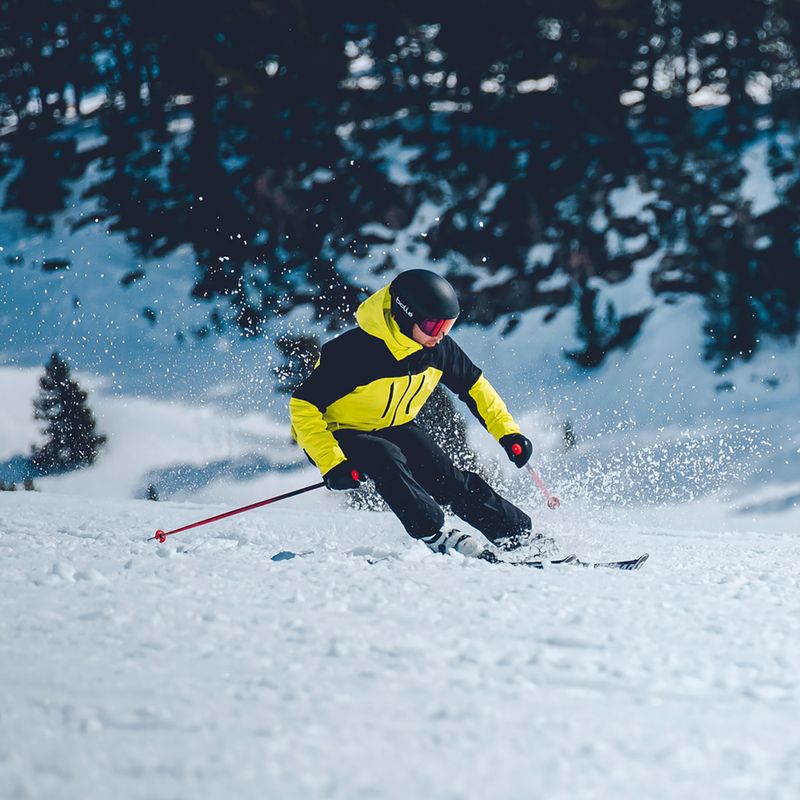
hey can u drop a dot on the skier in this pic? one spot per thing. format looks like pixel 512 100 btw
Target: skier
pixel 355 413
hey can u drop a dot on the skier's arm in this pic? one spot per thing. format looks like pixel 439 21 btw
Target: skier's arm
pixel 487 405
pixel 469 383
pixel 326 384
pixel 311 433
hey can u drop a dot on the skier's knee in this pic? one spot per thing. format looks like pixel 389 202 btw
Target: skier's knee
pixel 425 525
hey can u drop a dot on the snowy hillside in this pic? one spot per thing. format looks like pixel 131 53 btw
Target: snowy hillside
pixel 189 207
pixel 198 413
pixel 200 668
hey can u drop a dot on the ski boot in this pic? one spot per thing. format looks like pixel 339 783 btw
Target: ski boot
pixel 446 541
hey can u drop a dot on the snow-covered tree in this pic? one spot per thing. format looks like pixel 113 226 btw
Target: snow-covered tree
pixel 72 440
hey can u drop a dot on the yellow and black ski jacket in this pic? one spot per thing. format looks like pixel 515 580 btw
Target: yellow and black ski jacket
pixel 374 376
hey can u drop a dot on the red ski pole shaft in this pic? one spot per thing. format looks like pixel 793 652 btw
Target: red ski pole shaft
pixel 161 536
pixel 552 502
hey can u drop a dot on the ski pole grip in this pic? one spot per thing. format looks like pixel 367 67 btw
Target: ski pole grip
pixel 516 449
pixel 355 475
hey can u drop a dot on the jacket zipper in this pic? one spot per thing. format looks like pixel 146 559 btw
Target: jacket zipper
pixel 400 401
pixel 408 406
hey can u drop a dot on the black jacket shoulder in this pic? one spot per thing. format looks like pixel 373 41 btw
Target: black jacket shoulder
pixel 458 372
pixel 356 358
pixel 345 362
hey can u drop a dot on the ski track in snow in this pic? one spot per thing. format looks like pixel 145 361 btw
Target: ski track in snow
pixel 200 668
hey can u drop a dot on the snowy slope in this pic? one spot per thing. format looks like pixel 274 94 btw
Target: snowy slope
pixel 200 668
pixel 199 416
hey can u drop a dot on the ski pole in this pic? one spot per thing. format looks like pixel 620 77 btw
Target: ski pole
pixel 161 536
pixel 552 501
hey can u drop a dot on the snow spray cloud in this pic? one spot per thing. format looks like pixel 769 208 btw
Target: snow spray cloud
pixel 663 468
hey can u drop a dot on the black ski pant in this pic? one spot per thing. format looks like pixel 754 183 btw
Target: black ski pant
pixel 416 477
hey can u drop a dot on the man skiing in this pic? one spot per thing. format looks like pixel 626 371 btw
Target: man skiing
pixel 354 415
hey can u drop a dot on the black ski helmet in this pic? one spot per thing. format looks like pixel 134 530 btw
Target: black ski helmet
pixel 419 294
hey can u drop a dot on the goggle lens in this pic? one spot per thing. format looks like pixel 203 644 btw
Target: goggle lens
pixel 433 327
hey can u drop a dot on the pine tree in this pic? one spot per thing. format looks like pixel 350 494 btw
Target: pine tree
pixel 72 441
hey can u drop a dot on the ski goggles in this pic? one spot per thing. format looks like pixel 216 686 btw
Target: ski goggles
pixel 433 327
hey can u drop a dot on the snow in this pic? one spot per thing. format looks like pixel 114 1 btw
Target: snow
pixel 84 312
pixel 201 668
pixel 150 439
pixel 396 157
pixel 630 200
pixel 537 85
pixel 757 186
pixel 709 97
pixel 541 254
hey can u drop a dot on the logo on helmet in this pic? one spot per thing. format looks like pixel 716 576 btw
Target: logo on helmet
pixel 405 308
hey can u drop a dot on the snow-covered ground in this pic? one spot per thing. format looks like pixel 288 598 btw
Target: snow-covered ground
pixel 201 668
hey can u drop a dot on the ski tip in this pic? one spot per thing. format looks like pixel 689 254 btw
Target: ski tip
pixel 629 565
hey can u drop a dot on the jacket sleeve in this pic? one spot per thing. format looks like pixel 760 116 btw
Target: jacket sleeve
pixel 311 433
pixel 461 376
pixel 325 384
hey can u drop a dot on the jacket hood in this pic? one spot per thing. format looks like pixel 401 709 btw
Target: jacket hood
pixel 374 316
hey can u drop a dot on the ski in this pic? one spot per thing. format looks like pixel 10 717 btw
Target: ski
pixel 541 564
pixel 573 560
pixel 627 564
